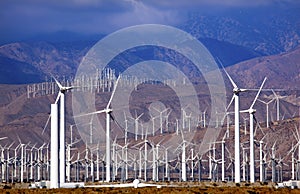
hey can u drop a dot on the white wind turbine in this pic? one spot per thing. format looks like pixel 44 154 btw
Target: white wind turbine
pixel 61 97
pixel 292 150
pixel 126 128
pixel 2 163
pixel 251 112
pixel 183 146
pixel 8 160
pixel 222 156
pixel 161 117
pixel 267 109
pixel 277 98
pixel 69 159
pixel 236 92
pixel 31 162
pixel 297 137
pixel 273 162
pixel 2 160
pixel 21 159
pixel 155 159
pixel 167 120
pixel 145 142
pixel 15 162
pixel 107 111
pixel 136 124
pixel 261 160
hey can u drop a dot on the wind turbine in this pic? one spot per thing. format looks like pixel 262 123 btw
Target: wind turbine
pixel 145 142
pixel 62 159
pixel 273 162
pixel 261 170
pixel 21 159
pixel 2 163
pixel 136 124
pixel 267 109
pixel 161 117
pixel 183 146
pixel 277 97
pixel 107 111
pixel 297 137
pixel 2 160
pixel 251 112
pixel 8 158
pixel 235 97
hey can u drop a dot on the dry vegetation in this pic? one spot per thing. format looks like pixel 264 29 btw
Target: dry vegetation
pixel 189 187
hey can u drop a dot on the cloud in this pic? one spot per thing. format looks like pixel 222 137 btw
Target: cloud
pixel 141 13
pixel 29 17
pixel 189 4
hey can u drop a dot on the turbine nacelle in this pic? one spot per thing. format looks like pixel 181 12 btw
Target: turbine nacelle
pixel 64 89
pixel 250 111
pixel 237 90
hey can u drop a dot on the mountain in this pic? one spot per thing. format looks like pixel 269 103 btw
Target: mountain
pixel 18 72
pixel 267 29
pixel 29 62
pixel 282 71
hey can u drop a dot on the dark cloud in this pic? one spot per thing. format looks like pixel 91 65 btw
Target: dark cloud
pixel 29 17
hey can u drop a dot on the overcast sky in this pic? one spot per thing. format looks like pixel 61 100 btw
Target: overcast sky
pixel 25 18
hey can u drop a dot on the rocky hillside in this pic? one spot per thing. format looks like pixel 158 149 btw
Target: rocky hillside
pixel 282 71
pixel 267 30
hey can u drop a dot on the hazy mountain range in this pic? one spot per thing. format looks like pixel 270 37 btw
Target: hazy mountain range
pixel 232 37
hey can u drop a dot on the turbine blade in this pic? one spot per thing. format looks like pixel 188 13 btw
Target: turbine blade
pixel 46 124
pixel 258 93
pixel 113 93
pixel 243 111
pixel 92 113
pixel 231 80
pixel 57 82
pixel 57 98
pixel 140 116
pixel 230 103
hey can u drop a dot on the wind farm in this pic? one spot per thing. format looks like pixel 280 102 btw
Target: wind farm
pixel 160 153
pixel 150 97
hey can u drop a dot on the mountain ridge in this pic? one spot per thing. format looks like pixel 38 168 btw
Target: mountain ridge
pixel 44 59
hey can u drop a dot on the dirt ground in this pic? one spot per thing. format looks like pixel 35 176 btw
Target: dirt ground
pixel 188 188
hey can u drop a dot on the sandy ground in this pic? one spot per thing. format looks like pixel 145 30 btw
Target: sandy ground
pixel 188 187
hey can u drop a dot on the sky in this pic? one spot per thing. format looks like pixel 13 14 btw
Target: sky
pixel 20 19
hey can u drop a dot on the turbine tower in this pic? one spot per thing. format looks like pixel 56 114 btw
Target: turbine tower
pixel 62 159
pixel 54 148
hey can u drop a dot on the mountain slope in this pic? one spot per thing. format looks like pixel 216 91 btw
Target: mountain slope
pixel 29 62
pixel 282 71
pixel 35 60
pixel 267 30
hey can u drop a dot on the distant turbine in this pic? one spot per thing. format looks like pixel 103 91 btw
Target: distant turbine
pixel 277 98
pixel 267 109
